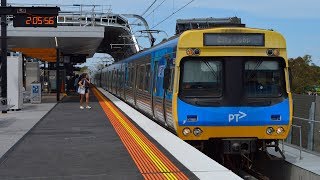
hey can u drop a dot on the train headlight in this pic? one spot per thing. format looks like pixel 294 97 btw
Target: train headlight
pixel 193 51
pixel 280 130
pixel 269 130
pixel 197 131
pixel 186 131
pixel 190 52
pixel 276 52
pixel 273 52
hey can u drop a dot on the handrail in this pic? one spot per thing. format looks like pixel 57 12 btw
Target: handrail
pixel 300 138
pixel 305 119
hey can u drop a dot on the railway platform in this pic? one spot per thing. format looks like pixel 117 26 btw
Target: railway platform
pixel 61 141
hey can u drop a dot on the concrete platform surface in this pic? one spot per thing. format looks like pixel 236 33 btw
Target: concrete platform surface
pixel 15 124
pixel 198 163
pixel 70 143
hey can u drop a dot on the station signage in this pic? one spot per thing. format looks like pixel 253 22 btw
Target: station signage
pixel 32 16
pixel 35 21
pixel 233 39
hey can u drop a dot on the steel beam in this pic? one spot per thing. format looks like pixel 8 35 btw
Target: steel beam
pixel 4 10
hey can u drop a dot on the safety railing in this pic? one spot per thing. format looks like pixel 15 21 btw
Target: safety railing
pixel 305 133
pixel 300 139
pixel 82 15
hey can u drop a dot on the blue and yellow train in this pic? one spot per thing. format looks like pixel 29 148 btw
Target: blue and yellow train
pixel 227 86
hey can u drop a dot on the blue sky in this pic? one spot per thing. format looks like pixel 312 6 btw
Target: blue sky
pixel 298 21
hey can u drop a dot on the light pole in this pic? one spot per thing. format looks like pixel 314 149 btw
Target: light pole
pixel 57 69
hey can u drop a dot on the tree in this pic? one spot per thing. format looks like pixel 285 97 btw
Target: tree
pixel 84 69
pixel 305 74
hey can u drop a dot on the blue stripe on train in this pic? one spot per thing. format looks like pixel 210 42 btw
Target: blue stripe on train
pixel 190 115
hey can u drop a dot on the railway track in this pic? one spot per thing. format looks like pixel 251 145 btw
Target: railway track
pixel 254 172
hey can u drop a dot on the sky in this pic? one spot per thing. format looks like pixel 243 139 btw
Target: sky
pixel 298 21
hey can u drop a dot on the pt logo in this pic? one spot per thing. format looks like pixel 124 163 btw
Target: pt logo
pixel 237 116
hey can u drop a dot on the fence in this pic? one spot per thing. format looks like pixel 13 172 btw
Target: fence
pixel 305 131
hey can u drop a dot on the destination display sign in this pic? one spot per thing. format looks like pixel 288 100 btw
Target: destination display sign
pixel 35 21
pixel 233 39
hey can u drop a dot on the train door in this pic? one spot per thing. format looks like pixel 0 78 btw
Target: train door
pixel 125 80
pixel 168 90
pixel 130 88
pixel 135 85
pixel 116 81
pixel 111 81
pixel 120 82
pixel 158 92
pixel 154 66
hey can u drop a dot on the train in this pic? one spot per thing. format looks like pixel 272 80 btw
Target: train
pixel 224 89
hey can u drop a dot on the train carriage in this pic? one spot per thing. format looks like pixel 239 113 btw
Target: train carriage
pixel 226 85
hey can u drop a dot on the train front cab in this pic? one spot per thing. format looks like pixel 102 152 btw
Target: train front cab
pixel 232 93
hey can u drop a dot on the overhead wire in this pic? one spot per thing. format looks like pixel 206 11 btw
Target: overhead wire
pixel 145 10
pixel 155 8
pixel 172 14
pixel 148 8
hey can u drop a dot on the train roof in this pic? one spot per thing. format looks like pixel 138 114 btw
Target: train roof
pixel 172 42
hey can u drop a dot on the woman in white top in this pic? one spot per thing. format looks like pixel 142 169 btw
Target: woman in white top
pixel 84 82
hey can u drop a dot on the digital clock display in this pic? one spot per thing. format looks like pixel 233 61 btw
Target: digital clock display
pixel 35 21
pixel 234 39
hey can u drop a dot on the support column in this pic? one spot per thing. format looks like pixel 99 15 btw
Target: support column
pixel 58 75
pixel 4 53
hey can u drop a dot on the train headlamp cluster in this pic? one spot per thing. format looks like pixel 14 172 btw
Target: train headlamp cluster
pixel 271 130
pixel 280 130
pixel 186 131
pixel 193 52
pixel 273 52
pixel 196 131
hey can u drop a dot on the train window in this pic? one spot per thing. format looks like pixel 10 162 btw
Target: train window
pixel 141 71
pixel 109 79
pixel 130 76
pixel 155 76
pixel 126 78
pixel 147 77
pixel 171 79
pixel 117 79
pixel 120 78
pixel 263 79
pixel 201 78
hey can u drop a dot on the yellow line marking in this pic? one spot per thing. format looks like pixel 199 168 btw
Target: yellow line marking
pixel 155 159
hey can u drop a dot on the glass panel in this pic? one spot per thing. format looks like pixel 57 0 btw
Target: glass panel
pixel 262 79
pixel 141 74
pixel 147 84
pixel 171 79
pixel 155 76
pixel 202 78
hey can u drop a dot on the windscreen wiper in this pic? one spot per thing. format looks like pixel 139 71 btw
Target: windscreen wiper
pixel 211 69
pixel 255 69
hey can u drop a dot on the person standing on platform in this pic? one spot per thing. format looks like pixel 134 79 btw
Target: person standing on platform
pixel 85 84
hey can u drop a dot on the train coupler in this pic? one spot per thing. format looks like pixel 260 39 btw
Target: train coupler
pixel 274 145
pixel 239 146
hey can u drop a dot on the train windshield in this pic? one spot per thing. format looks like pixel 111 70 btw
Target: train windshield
pixel 202 78
pixel 262 79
